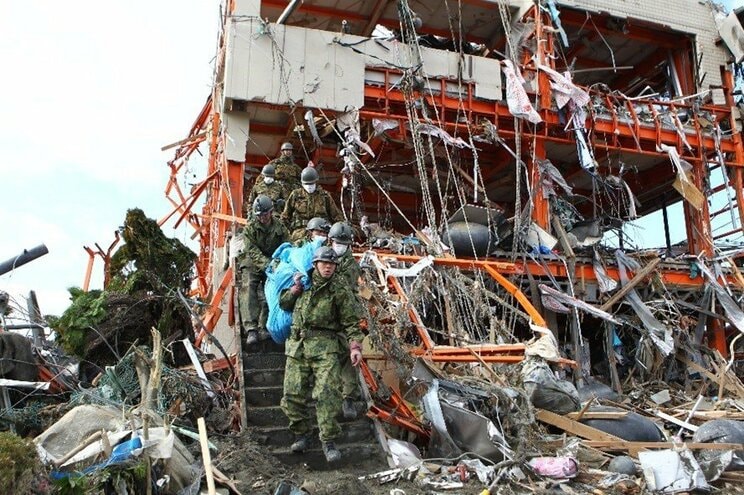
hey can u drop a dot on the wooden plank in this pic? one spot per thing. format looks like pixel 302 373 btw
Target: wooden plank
pixel 206 457
pixel 676 421
pixel 597 415
pixel 574 427
pixel 583 410
pixel 707 415
pixel 643 273
pixel 563 237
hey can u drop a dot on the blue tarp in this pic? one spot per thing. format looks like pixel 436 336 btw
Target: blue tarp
pixel 287 260
pixel 119 454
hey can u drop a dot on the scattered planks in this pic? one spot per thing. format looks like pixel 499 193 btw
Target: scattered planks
pixel 729 381
pixel 604 441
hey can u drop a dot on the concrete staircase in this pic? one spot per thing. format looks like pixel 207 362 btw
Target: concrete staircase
pixel 263 376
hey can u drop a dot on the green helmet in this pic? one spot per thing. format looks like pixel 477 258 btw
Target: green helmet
pixel 325 253
pixel 318 223
pixel 341 233
pixel 309 175
pixel 287 146
pixel 262 204
pixel 268 171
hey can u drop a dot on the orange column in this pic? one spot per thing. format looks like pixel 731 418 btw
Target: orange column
pixel 541 206
pixel 544 37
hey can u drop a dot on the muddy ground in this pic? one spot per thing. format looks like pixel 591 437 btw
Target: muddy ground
pixel 259 473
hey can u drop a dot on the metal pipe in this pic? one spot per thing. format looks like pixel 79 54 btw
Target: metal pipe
pixel 26 256
pixel 288 11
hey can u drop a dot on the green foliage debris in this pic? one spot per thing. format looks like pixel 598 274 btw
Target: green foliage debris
pixel 18 462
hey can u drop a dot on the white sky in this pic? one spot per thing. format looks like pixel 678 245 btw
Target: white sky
pixel 90 92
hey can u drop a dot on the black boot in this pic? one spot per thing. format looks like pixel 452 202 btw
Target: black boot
pixel 332 454
pixel 349 409
pixel 300 444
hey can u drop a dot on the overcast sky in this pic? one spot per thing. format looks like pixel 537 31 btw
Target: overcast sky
pixel 89 93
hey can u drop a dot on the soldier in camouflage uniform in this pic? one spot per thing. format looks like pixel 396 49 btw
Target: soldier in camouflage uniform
pixel 267 185
pixel 262 235
pixel 341 237
pixel 317 229
pixel 287 171
pixel 322 315
pixel 307 202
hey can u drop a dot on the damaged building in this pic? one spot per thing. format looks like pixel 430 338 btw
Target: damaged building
pixel 495 158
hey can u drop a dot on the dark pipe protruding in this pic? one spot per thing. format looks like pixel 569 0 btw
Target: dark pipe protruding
pixel 23 258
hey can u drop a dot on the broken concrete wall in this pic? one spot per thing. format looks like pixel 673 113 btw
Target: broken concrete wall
pixel 688 16
pixel 292 65
pixel 286 64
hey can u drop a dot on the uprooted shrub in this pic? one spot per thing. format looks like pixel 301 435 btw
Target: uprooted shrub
pixel 143 276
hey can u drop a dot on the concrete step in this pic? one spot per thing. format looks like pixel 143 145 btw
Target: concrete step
pixel 263 396
pixel 263 347
pixel 281 437
pixel 264 361
pixel 264 377
pixel 274 416
pixel 351 454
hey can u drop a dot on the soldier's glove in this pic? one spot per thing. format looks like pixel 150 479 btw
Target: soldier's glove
pixel 355 353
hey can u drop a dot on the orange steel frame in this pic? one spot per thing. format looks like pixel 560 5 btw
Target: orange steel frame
pixel 223 184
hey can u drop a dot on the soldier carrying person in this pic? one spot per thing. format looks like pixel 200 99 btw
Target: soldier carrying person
pixel 320 314
pixel 262 235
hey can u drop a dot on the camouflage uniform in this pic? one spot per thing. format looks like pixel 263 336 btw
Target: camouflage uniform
pixel 287 173
pixel 302 206
pixel 348 269
pixel 276 191
pixel 260 243
pixel 324 314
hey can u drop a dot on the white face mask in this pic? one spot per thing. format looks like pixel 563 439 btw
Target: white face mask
pixel 320 238
pixel 268 180
pixel 309 188
pixel 339 249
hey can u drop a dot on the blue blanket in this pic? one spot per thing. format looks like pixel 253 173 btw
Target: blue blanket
pixel 287 260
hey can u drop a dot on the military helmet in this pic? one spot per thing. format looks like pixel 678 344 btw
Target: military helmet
pixel 287 146
pixel 325 253
pixel 341 233
pixel 318 223
pixel 268 171
pixel 309 175
pixel 262 204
